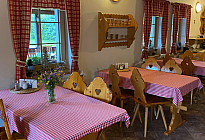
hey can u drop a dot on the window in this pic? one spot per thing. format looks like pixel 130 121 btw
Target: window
pixel 181 33
pixel 155 36
pixel 46 27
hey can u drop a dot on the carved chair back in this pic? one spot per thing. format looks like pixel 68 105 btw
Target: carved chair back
pixel 139 85
pixel 75 82
pixel 187 66
pixel 99 90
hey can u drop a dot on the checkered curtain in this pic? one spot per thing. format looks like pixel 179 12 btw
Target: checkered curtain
pixel 164 27
pixel 157 7
pixel 183 9
pixel 55 4
pixel 175 26
pixel 188 18
pixel 20 18
pixel 73 15
pixel 147 25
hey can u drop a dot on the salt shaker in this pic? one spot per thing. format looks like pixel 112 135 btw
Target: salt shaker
pixel 16 85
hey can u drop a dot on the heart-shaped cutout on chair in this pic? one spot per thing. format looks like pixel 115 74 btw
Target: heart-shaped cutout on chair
pixel 97 91
pixel 171 68
pixel 150 66
pixel 75 84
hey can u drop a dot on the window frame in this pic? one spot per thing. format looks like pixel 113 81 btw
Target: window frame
pixel 38 33
pixel 157 31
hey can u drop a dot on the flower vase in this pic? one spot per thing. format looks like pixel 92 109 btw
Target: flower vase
pixel 51 96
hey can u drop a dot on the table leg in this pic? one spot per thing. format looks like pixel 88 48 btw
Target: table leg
pixel 176 120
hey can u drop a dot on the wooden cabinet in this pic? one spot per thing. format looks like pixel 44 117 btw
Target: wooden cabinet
pixel 107 22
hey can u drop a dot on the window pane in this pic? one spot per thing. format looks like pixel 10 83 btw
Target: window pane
pixel 153 20
pixel 33 34
pixel 51 49
pixel 34 50
pixel 32 17
pixel 49 32
pixel 48 16
pixel 152 31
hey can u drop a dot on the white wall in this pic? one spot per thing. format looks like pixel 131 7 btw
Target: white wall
pixel 91 60
pixel 7 57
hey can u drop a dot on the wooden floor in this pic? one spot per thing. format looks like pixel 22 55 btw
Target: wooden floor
pixel 192 129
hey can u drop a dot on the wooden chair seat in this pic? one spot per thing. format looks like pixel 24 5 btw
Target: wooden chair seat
pixel 152 100
pixel 126 93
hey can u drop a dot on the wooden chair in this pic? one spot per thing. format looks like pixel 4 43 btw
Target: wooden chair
pixel 172 67
pixel 151 64
pixel 203 56
pixel 119 93
pixel 146 100
pixel 187 53
pixel 99 90
pixel 75 82
pixel 5 131
pixel 187 69
pixel 187 66
pixel 199 57
pixel 166 58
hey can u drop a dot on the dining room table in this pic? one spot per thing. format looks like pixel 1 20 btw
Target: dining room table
pixel 161 84
pixel 71 116
pixel 199 65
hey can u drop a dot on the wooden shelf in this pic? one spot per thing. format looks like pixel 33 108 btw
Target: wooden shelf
pixel 107 21
pixel 122 26
pixel 107 45
pixel 120 39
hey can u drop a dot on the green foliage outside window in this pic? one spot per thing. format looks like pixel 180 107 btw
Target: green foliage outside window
pixel 35 60
pixel 48 30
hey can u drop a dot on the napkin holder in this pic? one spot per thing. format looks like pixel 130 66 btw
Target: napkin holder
pixel 122 67
pixel 32 83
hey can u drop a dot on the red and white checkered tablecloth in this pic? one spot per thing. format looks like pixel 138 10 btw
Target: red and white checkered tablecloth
pixel 72 116
pixel 159 83
pixel 199 65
